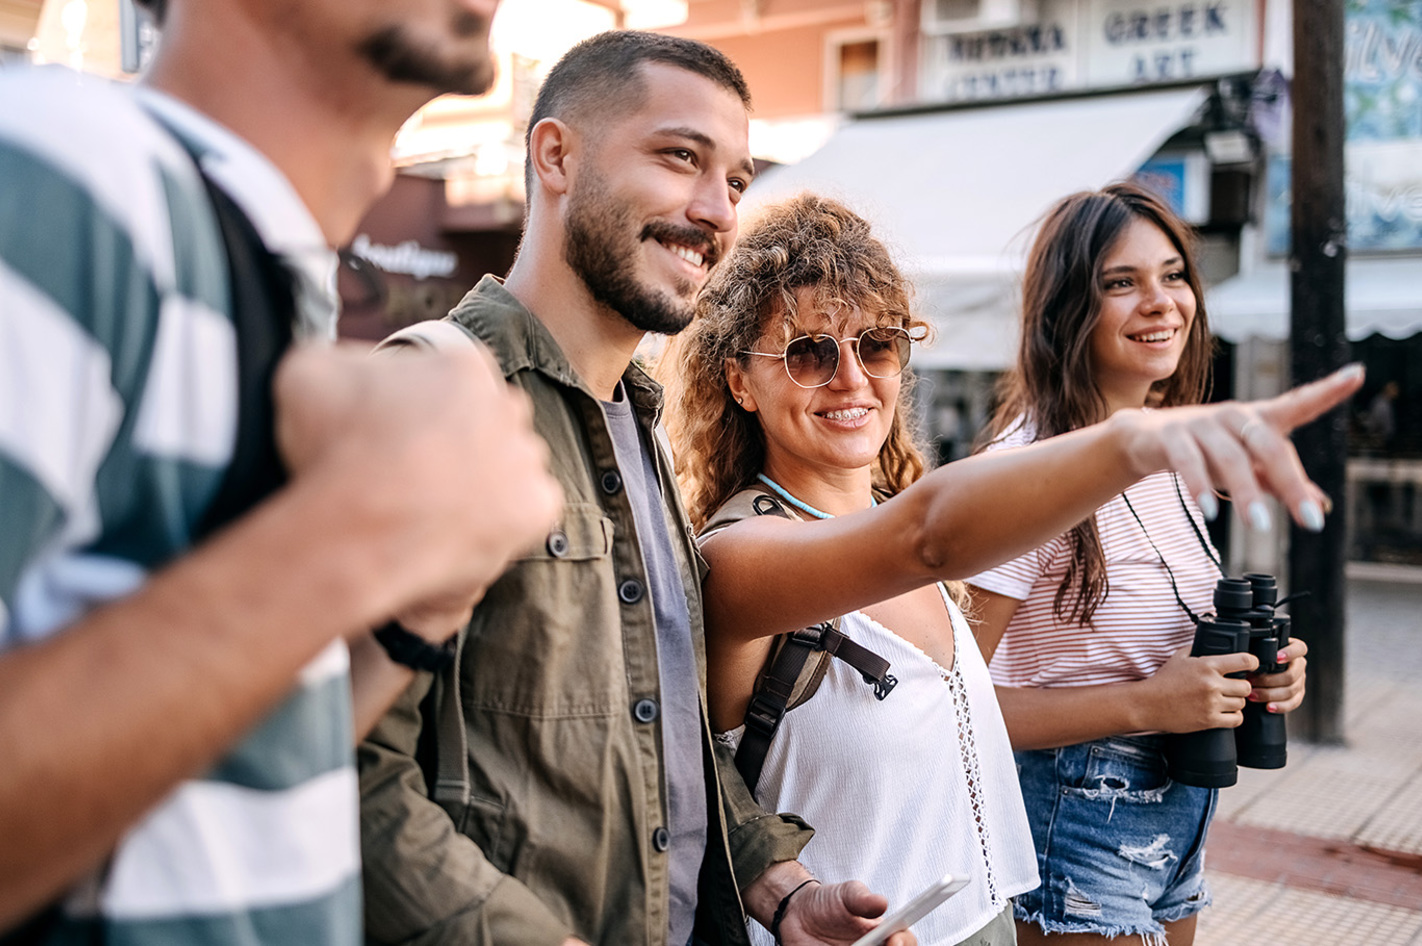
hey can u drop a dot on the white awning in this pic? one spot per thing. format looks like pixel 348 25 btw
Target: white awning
pixel 1380 296
pixel 975 321
pixel 955 195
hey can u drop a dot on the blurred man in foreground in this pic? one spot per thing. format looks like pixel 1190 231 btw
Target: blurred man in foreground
pixel 186 545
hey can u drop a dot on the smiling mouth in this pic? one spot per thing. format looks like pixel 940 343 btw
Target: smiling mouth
pixel 1163 335
pixel 851 413
pixel 694 257
pixel 694 246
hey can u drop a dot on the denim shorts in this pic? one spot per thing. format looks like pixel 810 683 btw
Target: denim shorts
pixel 1120 847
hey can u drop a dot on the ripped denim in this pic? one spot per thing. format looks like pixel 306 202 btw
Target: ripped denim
pixel 1120 847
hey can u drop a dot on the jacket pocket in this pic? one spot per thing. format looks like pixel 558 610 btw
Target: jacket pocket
pixel 582 534
pixel 547 639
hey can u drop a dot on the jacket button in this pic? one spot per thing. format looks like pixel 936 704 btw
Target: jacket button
pixel 661 839
pixel 611 482
pixel 630 591
pixel 557 543
pixel 645 711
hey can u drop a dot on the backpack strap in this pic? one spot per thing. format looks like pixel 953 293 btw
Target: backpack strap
pixel 797 662
pixel 264 309
pixel 449 782
pixel 429 335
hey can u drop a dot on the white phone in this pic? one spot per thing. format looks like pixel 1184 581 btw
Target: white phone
pixel 913 911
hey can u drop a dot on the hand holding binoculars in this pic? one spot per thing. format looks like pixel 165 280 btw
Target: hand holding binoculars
pixel 1244 621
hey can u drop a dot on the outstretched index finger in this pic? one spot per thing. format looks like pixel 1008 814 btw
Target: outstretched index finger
pixel 1308 402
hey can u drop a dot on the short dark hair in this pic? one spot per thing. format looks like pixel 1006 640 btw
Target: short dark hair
pixel 157 8
pixel 604 69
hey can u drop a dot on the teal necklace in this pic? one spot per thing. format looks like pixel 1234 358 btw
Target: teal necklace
pixel 802 506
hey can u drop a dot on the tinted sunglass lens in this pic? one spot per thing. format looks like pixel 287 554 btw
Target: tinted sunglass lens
pixel 883 351
pixel 811 360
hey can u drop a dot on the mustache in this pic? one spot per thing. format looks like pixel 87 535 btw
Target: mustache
pixel 692 237
pixel 467 23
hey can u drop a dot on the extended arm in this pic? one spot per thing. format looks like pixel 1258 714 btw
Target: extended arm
pixel 101 720
pixel 769 576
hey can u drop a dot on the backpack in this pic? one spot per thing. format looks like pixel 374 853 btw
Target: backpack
pixel 797 662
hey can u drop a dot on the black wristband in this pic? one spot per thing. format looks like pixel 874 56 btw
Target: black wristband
pixel 413 651
pixel 785 905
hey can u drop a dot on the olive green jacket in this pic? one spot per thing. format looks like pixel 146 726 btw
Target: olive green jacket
pixel 558 831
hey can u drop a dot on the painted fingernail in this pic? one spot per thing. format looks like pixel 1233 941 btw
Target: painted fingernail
pixel 1312 515
pixel 1259 516
pixel 1272 707
pixel 1208 505
pixel 1355 370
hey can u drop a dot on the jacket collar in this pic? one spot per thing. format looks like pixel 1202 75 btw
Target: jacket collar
pixel 521 342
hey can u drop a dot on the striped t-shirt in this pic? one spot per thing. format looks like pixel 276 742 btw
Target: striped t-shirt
pixel 1138 625
pixel 118 415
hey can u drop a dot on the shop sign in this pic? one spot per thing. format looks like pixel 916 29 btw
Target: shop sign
pixel 408 258
pixel 1383 187
pixel 1382 100
pixel 1089 44
pixel 1037 58
pixel 1182 180
pixel 1134 41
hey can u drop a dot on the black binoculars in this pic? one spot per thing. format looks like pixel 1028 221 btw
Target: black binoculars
pixel 1243 621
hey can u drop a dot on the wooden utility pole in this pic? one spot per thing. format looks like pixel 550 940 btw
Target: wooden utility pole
pixel 1319 344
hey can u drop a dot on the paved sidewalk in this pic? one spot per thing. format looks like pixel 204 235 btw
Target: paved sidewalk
pixel 1328 850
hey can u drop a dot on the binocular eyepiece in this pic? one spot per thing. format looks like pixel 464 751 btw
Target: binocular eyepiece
pixel 1244 621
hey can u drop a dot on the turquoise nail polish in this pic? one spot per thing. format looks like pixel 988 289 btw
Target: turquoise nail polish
pixel 1259 517
pixel 1208 505
pixel 1312 515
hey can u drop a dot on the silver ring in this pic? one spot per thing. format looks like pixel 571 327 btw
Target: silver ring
pixel 1244 431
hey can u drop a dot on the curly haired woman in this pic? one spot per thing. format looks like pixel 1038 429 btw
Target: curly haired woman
pixel 791 384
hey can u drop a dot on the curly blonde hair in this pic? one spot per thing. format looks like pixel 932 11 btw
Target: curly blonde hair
pixel 807 241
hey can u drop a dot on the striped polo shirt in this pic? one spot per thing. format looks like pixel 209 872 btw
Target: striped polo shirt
pixel 118 416
pixel 1139 624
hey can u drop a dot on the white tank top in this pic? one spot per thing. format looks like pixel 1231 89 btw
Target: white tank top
pixel 904 790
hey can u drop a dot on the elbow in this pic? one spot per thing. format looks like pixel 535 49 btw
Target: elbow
pixel 937 549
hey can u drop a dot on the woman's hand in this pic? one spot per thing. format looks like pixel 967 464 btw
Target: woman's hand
pixel 1282 691
pixel 817 914
pixel 1240 447
pixel 836 914
pixel 1188 694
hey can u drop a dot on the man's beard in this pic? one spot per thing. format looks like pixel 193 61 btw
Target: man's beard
pixel 400 57
pixel 601 250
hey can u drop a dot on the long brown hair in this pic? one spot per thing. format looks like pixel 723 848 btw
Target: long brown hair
pixel 1052 388
pixel 807 241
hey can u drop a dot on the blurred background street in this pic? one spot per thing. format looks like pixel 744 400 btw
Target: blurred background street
pixel 952 125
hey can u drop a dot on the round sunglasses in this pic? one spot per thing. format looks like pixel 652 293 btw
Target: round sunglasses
pixel 812 361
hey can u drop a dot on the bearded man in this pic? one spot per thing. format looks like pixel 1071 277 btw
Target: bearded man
pixel 573 794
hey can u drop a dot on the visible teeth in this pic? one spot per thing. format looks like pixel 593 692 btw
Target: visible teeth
pixel 686 253
pixel 854 413
pixel 1164 336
